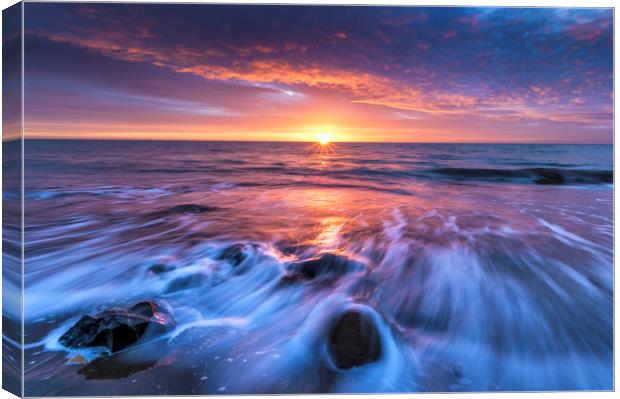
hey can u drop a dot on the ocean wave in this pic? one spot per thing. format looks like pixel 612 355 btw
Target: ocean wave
pixel 529 175
pixel 313 273
pixel 465 303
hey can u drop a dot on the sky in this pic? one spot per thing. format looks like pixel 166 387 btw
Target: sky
pixel 296 73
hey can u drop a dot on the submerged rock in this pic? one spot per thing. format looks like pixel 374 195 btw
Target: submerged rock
pixel 354 341
pixel 293 249
pixel 160 268
pixel 116 329
pixel 234 254
pixel 186 282
pixel 326 265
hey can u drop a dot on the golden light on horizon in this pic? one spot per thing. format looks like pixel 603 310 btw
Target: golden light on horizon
pixel 323 138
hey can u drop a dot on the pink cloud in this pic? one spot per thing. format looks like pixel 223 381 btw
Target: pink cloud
pixel 589 31
pixel 252 65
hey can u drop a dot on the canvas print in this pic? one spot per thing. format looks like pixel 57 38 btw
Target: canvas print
pixel 267 199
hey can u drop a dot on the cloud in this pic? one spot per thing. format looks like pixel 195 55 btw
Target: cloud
pixel 250 66
pixel 491 65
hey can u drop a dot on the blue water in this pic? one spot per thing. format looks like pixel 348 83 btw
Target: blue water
pixel 483 267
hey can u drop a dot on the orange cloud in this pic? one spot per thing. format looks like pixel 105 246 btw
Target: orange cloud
pixel 253 65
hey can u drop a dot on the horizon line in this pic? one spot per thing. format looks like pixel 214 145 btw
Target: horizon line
pixel 305 141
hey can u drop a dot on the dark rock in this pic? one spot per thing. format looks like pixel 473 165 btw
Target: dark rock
pixel 234 254
pixel 327 265
pixel 293 249
pixel 354 340
pixel 160 268
pixel 117 329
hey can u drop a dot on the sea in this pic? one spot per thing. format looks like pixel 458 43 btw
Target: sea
pixel 481 267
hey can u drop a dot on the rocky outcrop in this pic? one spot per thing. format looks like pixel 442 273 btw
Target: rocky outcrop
pixel 234 254
pixel 354 340
pixel 116 329
pixel 326 266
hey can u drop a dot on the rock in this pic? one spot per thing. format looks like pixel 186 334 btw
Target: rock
pixel 234 254
pixel 160 268
pixel 354 340
pixel 293 249
pixel 326 265
pixel 116 329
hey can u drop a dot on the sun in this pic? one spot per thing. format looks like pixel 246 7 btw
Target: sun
pixel 323 138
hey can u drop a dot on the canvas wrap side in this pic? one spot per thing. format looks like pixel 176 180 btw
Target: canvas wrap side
pixel 12 144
